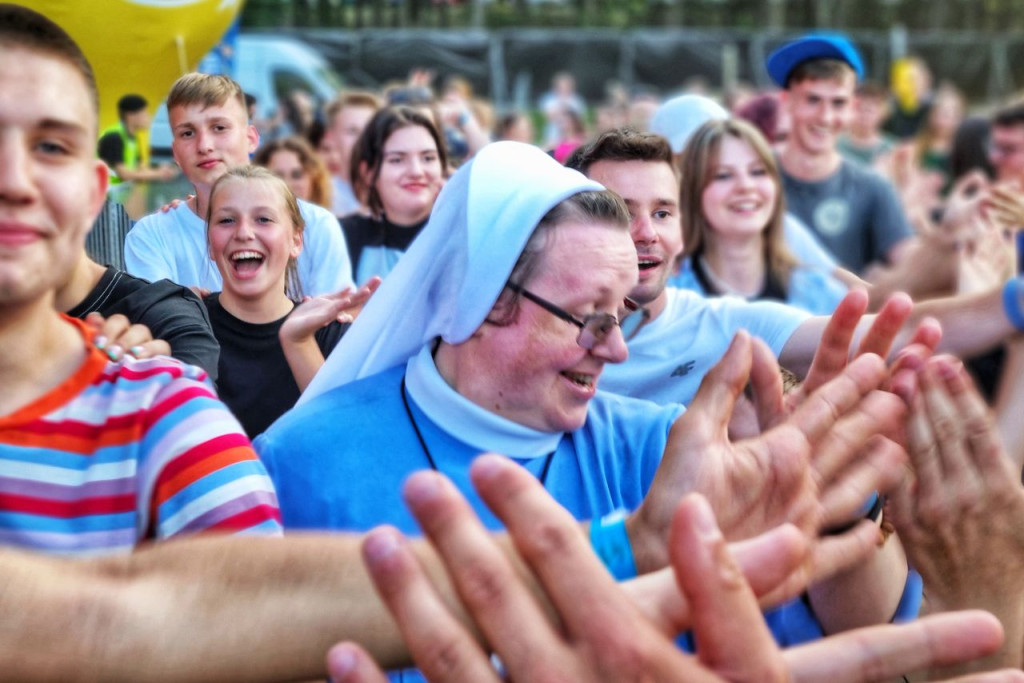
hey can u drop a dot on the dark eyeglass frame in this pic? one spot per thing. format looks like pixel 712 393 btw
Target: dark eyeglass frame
pixel 596 326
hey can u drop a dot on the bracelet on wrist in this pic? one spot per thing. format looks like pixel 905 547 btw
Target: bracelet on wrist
pixel 610 542
pixel 1013 292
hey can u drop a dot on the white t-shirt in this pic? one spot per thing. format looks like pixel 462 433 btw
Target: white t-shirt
pixel 807 249
pixel 670 355
pixel 172 245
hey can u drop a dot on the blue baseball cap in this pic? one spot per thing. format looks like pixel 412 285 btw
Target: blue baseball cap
pixel 813 46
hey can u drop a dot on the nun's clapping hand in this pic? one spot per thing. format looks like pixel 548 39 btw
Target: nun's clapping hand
pixel 814 469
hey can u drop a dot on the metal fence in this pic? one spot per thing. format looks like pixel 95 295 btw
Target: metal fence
pixel 512 67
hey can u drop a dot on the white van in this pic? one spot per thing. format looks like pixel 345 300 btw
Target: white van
pixel 268 67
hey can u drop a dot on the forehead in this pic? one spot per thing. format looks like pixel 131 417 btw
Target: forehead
pixel 408 137
pixel 37 87
pixel 1014 132
pixel 842 86
pixel 284 157
pixel 637 181
pixel 353 114
pixel 589 259
pixel 198 112
pixel 236 193
pixel 733 149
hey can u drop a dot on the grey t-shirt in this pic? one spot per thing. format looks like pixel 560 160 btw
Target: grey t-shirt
pixel 855 213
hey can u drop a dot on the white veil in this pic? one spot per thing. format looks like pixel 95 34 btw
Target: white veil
pixel 447 282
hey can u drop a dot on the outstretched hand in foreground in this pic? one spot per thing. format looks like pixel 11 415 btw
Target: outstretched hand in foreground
pixel 591 630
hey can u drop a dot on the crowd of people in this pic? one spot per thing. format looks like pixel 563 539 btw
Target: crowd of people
pixel 725 366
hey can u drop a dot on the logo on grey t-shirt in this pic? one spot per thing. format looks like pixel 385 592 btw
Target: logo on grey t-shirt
pixel 832 216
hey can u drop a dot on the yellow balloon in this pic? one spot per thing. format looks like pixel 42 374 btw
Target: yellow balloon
pixel 140 46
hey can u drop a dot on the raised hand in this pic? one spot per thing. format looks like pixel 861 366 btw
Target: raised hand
pixel 961 518
pixel 589 630
pixel 320 311
pixel 814 469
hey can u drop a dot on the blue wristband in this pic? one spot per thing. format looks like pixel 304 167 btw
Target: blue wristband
pixel 1012 293
pixel 610 541
pixel 910 601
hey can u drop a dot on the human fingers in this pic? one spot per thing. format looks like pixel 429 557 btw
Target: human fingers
pixel 727 623
pixel 494 595
pixel 551 542
pixel 986 448
pixel 772 564
pixel 879 653
pixel 439 644
pixel 833 351
pixel 949 428
pixel 347 662
pixel 923 449
pixel 834 553
pixel 766 386
pixel 1001 676
pixel 721 387
pixel 927 334
pixel 156 347
pixel 816 414
pixel 886 325
pixel 877 413
pixel 876 468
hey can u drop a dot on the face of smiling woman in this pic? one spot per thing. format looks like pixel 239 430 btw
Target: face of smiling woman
pixel 532 371
pixel 410 175
pixel 252 238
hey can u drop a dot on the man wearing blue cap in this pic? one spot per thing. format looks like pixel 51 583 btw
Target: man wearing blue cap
pixel 854 211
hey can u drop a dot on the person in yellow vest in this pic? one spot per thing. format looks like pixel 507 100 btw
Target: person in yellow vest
pixel 119 144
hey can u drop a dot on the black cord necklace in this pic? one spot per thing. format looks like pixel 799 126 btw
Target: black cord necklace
pixel 542 477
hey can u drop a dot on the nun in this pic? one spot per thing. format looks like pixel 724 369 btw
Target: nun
pixel 491 334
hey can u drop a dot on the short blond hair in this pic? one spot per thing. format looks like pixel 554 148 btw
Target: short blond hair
pixel 208 90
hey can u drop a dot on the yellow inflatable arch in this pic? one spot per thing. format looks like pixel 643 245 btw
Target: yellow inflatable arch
pixel 140 46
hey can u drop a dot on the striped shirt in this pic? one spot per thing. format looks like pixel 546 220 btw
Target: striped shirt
pixel 126 451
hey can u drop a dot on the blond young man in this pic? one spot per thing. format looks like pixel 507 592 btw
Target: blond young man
pixel 211 133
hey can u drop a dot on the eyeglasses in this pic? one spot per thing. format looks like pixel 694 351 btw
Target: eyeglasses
pixel 594 328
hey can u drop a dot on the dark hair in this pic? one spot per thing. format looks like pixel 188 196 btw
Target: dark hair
pixel 621 144
pixel 368 153
pixel 825 69
pixel 1009 115
pixel 26 28
pixel 586 207
pixel 969 149
pixel 311 164
pixel 129 104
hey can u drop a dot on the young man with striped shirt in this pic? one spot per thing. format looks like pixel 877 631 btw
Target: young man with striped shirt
pixel 95 455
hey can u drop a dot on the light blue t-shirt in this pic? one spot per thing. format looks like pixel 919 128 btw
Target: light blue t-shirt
pixel 670 355
pixel 809 289
pixel 339 461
